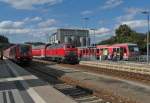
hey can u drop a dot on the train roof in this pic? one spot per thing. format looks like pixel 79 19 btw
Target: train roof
pixel 87 47
pixel 38 47
pixel 122 44
pixel 102 46
pixel 119 44
pixel 58 45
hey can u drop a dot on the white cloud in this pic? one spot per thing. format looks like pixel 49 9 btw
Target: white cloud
pixel 130 14
pixel 125 17
pixel 100 34
pixel 11 25
pixel 112 3
pixel 86 12
pixel 32 19
pixel 133 10
pixel 20 28
pixel 135 23
pixel 8 24
pixel 47 23
pixel 29 4
pixel 28 31
pixel 102 31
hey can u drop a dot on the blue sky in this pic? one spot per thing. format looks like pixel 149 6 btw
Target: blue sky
pixel 34 20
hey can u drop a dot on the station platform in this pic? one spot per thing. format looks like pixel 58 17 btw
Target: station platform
pixel 123 88
pixel 19 86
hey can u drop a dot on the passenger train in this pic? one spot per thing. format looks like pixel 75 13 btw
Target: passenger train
pixel 65 53
pixel 124 51
pixel 19 53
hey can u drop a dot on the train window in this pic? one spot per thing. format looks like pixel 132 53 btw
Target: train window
pixel 24 48
pixel 67 46
pixel 83 51
pixel 97 50
pixel 86 50
pixel 114 49
pixel 118 50
pixel 14 50
pixel 133 48
pixel 124 50
pixel 73 46
pixel 92 50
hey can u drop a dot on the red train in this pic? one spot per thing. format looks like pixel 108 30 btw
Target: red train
pixel 65 53
pixel 20 53
pixel 124 51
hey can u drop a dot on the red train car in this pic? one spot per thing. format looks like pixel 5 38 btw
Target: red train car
pixel 65 53
pixel 87 53
pixel 19 53
pixel 128 50
pixel 38 51
pixel 125 51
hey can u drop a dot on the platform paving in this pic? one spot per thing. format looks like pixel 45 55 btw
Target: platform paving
pixel 124 88
pixel 19 86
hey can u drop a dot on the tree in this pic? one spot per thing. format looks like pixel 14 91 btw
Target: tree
pixel 4 42
pixel 124 34
pixel 3 39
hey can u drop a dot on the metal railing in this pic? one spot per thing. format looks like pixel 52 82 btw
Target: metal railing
pixel 142 68
pixel 135 59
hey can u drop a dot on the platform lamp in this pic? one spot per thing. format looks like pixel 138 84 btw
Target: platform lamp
pixel 94 30
pixel 86 19
pixel 147 13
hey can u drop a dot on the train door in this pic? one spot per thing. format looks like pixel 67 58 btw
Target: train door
pixel 124 54
pixel 105 53
pixel 116 54
pixel 98 54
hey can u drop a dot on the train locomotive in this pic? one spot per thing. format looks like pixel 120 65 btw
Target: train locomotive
pixel 19 53
pixel 61 53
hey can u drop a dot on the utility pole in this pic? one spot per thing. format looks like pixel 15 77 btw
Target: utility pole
pixel 148 17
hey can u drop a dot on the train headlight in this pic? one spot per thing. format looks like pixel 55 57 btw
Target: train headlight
pixel 18 57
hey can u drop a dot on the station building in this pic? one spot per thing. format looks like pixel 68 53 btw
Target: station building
pixel 78 37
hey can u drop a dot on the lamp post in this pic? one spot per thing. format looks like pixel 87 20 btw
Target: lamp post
pixel 85 21
pixel 148 17
pixel 94 36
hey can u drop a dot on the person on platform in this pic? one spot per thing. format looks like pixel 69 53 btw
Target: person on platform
pixel 105 53
pixel 1 54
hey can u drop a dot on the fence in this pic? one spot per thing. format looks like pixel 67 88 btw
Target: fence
pixel 142 68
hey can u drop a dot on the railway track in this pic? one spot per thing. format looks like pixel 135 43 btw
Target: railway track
pixel 79 94
pixel 142 78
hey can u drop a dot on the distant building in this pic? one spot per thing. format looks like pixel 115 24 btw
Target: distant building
pixel 78 37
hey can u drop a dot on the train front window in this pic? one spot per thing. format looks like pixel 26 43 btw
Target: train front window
pixel 67 46
pixel 24 48
pixel 133 48
pixel 73 46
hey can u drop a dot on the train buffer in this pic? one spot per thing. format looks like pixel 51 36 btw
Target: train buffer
pixel 19 86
